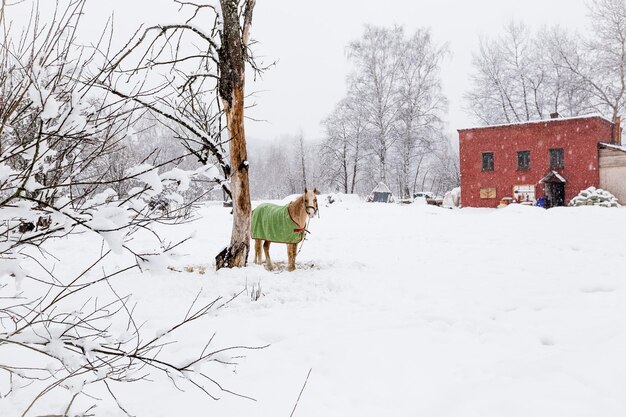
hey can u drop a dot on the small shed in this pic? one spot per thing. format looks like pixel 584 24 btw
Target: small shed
pixel 612 161
pixel 381 194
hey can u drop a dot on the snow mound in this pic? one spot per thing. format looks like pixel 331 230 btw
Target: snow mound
pixel 424 208
pixel 521 208
pixel 335 198
pixel 593 196
pixel 452 198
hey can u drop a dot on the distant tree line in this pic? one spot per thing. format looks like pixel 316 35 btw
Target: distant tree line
pixel 523 75
pixel 389 127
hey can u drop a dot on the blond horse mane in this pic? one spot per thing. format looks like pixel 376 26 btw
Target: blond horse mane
pixel 297 211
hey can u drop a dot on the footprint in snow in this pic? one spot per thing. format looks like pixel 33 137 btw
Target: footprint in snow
pixel 281 266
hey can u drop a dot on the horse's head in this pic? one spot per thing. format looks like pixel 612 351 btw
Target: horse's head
pixel 310 202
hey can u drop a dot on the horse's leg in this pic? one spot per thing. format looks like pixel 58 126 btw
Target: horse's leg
pixel 291 253
pixel 266 249
pixel 258 256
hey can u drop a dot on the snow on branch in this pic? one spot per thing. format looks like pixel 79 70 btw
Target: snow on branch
pixel 66 332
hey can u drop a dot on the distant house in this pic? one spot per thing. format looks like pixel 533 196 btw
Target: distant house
pixel 552 159
pixel 381 194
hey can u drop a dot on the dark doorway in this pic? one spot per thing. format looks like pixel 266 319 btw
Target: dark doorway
pixel 555 194
pixel 381 197
pixel 554 189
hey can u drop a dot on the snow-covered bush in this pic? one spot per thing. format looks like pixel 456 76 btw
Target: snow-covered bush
pixel 593 196
pixel 452 198
pixel 341 198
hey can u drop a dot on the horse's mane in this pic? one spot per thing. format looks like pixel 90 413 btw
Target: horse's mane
pixel 298 200
pixel 294 208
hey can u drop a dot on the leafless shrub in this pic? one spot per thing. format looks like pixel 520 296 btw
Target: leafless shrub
pixel 63 333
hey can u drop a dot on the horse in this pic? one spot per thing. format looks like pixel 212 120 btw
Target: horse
pixel 282 224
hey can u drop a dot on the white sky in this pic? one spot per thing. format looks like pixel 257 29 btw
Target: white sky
pixel 308 40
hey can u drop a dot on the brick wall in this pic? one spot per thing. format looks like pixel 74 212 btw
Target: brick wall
pixel 578 137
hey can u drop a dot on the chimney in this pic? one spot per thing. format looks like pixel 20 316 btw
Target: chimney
pixel 554 115
pixel 617 131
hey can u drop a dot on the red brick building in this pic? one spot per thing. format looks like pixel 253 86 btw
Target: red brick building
pixel 552 159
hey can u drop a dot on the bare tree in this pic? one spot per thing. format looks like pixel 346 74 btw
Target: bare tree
pixel 522 76
pixel 235 37
pixel 201 85
pixel 57 134
pixel 422 103
pixel 519 76
pixel 598 60
pixel 562 91
pixel 302 157
pixel 489 100
pixel 374 80
pixel 394 110
pixel 446 168
pixel 343 151
pixel 507 81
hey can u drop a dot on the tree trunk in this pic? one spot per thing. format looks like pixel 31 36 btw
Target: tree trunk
pixel 344 166
pixel 356 165
pixel 417 172
pixel 406 166
pixel 383 166
pixel 231 90
pixel 302 159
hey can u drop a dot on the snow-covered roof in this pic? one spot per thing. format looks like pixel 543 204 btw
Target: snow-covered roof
pixel 553 174
pixel 613 146
pixel 558 119
pixel 381 188
pixel 556 174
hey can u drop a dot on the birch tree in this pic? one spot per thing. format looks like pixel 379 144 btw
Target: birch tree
pixel 376 70
pixel 394 110
pixel 563 92
pixel 422 103
pixel 521 76
pixel 598 59
pixel 509 81
pixel 344 150
pixel 302 156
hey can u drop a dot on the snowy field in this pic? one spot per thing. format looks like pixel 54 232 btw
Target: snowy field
pixel 399 311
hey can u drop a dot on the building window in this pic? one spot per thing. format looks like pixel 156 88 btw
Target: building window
pixel 487 161
pixel 557 158
pixel 487 193
pixel 523 160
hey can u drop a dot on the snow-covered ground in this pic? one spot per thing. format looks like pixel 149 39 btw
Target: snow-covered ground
pixel 402 310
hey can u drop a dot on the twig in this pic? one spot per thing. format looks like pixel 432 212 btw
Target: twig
pixel 301 391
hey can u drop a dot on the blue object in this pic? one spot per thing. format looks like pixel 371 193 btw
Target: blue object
pixel 541 202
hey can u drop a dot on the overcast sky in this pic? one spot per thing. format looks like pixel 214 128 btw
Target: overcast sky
pixel 308 39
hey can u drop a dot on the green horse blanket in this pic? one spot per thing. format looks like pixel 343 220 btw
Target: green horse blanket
pixel 273 223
